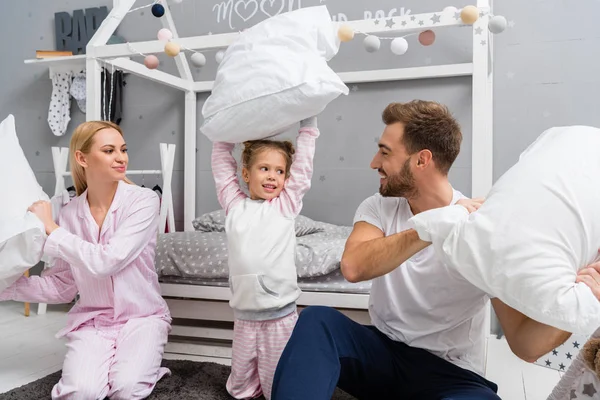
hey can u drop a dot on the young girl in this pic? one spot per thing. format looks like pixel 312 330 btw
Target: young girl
pixel 261 241
pixel 103 245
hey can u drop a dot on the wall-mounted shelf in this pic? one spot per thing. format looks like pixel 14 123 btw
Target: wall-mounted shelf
pixel 60 64
pixel 80 58
pixel 63 64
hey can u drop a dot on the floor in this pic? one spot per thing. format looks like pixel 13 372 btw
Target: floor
pixel 29 351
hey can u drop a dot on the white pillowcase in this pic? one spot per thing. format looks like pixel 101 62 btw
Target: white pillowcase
pixel 274 75
pixel 22 234
pixel 539 225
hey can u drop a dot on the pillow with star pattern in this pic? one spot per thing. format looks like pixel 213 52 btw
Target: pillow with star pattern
pixel 579 381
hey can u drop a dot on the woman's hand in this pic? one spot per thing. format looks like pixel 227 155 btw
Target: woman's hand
pixel 590 275
pixel 471 204
pixel 43 210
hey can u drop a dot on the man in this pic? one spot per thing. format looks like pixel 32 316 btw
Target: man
pixel 428 338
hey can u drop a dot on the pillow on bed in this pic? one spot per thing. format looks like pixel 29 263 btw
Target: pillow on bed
pixel 539 225
pixel 306 226
pixel 192 255
pixel 210 222
pixel 215 222
pixel 22 234
pixel 289 79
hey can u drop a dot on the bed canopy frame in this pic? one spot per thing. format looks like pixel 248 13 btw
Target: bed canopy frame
pixel 209 304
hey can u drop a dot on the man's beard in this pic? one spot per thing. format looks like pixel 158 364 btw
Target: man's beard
pixel 401 184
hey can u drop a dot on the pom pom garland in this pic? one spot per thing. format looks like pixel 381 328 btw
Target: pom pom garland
pixel 198 60
pixel 165 35
pixel 497 24
pixel 469 15
pixel 158 10
pixel 399 46
pixel 345 33
pixel 151 61
pixel 172 49
pixel 426 38
pixel 372 43
pixel 450 10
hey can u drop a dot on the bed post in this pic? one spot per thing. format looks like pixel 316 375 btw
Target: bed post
pixel 482 172
pixel 482 151
pixel 167 159
pixel 60 159
pixel 93 110
pixel 189 186
pixel 189 207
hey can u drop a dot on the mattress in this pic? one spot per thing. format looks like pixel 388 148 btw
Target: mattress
pixel 330 283
pixel 200 257
pixel 199 254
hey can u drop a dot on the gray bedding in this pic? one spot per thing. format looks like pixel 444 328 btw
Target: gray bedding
pixel 331 283
pixel 202 254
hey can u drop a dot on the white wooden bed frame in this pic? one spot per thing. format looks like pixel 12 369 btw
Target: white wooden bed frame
pixel 202 327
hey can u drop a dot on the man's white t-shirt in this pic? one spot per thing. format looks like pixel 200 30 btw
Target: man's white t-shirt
pixel 422 302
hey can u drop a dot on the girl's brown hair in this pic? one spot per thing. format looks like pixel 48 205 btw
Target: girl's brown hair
pixel 254 147
pixel 82 140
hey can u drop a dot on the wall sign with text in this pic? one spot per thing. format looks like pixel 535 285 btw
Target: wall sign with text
pixel 243 10
pixel 236 12
pixel 74 32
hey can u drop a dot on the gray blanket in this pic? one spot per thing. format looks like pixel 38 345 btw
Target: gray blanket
pixel 203 253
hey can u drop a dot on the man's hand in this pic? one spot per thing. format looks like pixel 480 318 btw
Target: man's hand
pixel 471 205
pixel 590 275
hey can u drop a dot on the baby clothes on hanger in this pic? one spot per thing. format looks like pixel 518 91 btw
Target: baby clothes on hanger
pixel 159 192
pixel 78 90
pixel 72 192
pixel 112 95
pixel 59 111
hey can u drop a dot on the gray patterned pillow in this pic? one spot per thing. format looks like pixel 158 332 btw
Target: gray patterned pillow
pixel 192 254
pixel 210 222
pixel 215 222
pixel 306 226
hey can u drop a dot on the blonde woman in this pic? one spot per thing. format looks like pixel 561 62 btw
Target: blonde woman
pixel 103 244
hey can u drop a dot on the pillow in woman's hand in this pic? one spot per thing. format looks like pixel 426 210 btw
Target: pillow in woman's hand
pixel 22 234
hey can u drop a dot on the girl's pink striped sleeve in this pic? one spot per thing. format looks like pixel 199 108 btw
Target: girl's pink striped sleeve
pixel 224 170
pixel 290 199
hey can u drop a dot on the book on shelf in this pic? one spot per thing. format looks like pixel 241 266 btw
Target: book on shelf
pixel 52 53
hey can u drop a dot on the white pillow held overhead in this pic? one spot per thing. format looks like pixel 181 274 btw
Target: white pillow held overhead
pixel 22 234
pixel 274 75
pixel 539 225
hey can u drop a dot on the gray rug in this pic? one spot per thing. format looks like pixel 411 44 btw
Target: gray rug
pixel 188 380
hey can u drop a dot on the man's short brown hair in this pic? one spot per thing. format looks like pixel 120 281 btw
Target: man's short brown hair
pixel 427 125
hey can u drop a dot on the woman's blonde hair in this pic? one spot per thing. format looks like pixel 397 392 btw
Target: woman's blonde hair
pixel 82 140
